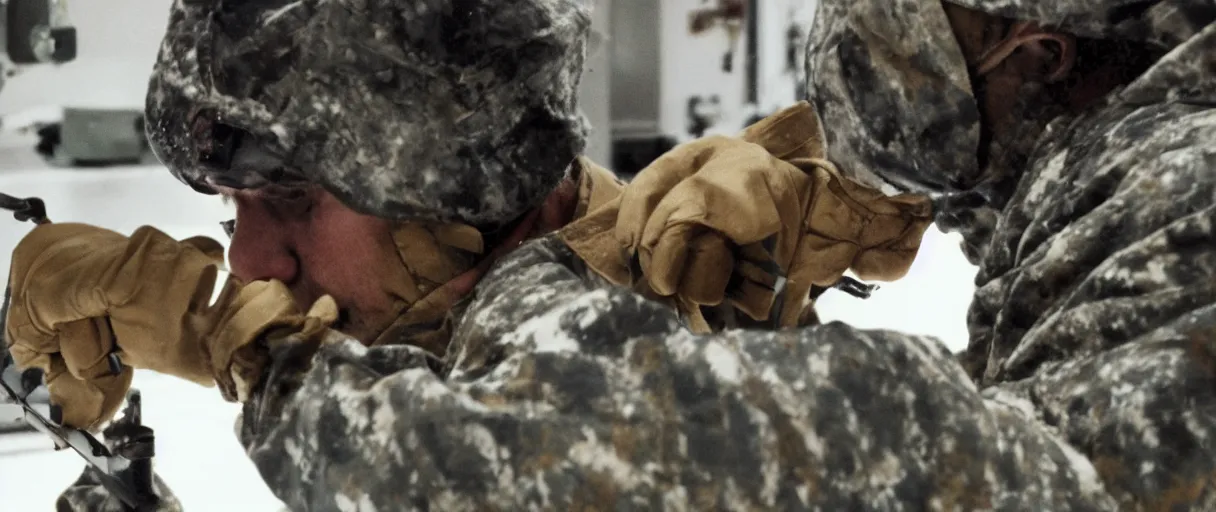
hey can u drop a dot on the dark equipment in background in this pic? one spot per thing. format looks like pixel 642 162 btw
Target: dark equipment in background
pixel 88 137
pixel 730 14
pixel 794 40
pixel 34 34
pixel 703 113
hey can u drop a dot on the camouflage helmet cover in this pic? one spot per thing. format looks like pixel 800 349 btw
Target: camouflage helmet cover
pixel 891 80
pixel 440 110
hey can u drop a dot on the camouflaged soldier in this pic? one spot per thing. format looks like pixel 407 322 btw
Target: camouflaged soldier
pixel 1072 144
pixel 1084 187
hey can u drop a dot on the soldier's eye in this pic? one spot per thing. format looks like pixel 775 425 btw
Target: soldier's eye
pixel 289 203
pixel 229 227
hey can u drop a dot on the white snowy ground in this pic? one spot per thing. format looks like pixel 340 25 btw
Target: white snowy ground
pixel 197 452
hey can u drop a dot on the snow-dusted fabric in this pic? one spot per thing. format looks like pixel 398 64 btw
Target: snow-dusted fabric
pixel 437 110
pixel 562 392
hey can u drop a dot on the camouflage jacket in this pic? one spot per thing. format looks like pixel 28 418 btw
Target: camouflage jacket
pixel 1090 382
pixel 1092 349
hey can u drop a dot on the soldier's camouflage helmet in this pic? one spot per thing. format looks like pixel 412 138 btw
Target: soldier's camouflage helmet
pixel 441 110
pixel 890 80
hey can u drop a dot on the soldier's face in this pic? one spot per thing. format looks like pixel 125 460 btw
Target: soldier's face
pixel 315 245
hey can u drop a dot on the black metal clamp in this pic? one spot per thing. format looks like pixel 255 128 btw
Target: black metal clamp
pixel 126 471
pixel 29 209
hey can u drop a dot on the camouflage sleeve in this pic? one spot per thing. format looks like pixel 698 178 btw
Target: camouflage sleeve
pixel 1096 304
pixel 1144 414
pixel 88 494
pixel 561 395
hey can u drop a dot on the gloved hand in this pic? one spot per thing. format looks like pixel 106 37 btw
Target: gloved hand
pixel 710 213
pixel 723 220
pixel 80 292
pixel 718 218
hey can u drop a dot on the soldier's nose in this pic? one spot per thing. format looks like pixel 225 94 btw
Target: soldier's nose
pixel 261 246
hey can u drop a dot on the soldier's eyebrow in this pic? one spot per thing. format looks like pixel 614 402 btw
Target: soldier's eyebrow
pixel 270 193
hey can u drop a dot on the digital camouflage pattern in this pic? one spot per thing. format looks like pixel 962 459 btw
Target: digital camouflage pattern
pixel 442 110
pixel 88 494
pixel 562 394
pixel 1093 232
pixel 1089 384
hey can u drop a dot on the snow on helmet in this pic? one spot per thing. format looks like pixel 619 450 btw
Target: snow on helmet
pixel 436 110
pixel 891 80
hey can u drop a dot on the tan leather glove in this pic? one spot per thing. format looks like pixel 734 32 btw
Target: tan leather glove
pixel 80 292
pixel 720 221
pixel 696 208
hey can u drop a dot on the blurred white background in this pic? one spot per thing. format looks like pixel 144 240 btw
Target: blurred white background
pixel 197 452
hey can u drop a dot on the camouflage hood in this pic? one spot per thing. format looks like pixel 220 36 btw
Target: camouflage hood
pixel 441 110
pixel 891 80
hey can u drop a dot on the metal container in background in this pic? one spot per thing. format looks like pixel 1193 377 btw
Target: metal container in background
pixel 96 137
